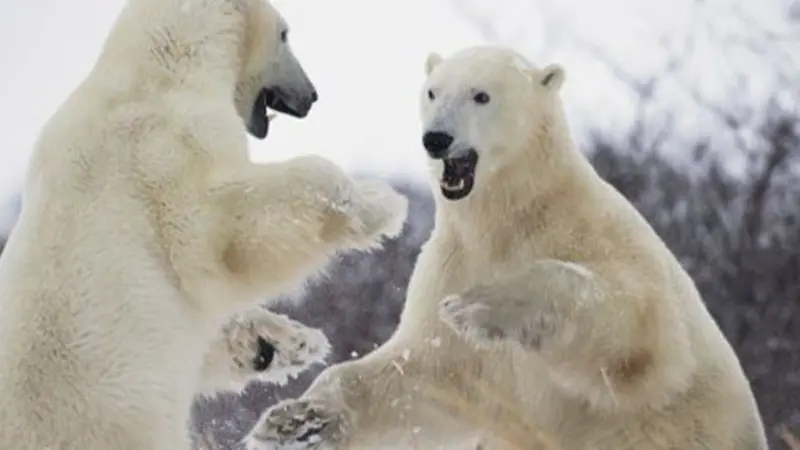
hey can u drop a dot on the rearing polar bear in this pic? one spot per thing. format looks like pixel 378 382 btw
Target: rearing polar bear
pixel 145 226
pixel 542 302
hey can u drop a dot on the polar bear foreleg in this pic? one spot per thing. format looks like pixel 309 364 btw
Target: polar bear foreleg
pixel 282 221
pixel 392 399
pixel 380 401
pixel 593 329
pixel 549 308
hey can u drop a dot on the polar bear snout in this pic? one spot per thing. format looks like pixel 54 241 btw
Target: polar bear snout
pixel 294 102
pixel 287 101
pixel 289 88
pixel 285 88
pixel 458 170
pixel 437 143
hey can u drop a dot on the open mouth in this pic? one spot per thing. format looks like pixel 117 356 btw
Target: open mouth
pixel 270 99
pixel 258 125
pixel 458 176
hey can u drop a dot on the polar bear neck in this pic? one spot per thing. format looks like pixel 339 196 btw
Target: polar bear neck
pixel 549 171
pixel 161 45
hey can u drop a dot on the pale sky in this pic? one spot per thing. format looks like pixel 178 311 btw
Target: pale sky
pixel 366 58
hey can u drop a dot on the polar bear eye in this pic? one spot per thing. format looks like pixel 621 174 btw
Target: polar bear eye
pixel 431 96
pixel 481 98
pixel 284 35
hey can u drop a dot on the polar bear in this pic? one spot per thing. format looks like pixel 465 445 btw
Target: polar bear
pixel 147 236
pixel 543 312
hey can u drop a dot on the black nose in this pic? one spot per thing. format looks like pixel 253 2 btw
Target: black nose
pixel 437 143
pixel 314 96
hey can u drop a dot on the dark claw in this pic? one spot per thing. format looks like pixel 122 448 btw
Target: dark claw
pixel 265 355
pixel 308 434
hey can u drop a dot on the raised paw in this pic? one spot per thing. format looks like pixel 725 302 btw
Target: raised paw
pixel 470 320
pixel 378 208
pixel 481 318
pixel 299 425
pixel 356 211
pixel 273 347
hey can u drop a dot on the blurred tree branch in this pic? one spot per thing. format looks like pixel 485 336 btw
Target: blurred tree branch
pixel 789 438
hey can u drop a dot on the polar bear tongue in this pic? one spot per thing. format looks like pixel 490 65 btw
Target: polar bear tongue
pixel 456 169
pixel 258 125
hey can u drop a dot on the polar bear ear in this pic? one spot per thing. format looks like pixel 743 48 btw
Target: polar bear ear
pixel 551 77
pixel 432 61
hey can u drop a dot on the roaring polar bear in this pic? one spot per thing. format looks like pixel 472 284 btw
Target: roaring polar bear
pixel 543 310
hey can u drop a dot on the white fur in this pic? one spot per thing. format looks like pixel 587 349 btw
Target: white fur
pixel 563 320
pixel 145 226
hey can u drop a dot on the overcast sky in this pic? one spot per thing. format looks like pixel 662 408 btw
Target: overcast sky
pixel 366 58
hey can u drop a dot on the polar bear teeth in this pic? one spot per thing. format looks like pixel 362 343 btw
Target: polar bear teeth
pixel 450 187
pixel 458 175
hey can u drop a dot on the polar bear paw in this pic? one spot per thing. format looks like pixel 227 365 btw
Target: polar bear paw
pixel 272 347
pixel 486 319
pixel 470 320
pixel 354 209
pixel 299 425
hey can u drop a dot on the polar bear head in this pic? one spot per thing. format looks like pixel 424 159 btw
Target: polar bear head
pixel 218 47
pixel 480 108
pixel 271 77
